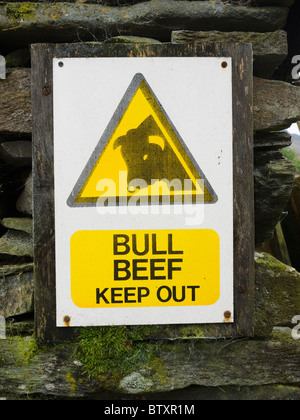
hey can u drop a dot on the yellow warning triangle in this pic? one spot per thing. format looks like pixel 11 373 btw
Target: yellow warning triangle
pixel 141 159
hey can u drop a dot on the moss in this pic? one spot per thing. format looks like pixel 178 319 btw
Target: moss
pixel 277 294
pixel 17 11
pixel 27 349
pixel 161 372
pixel 192 331
pixel 277 268
pixel 114 351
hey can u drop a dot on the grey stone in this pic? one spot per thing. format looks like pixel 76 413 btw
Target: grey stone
pixel 135 383
pixel 272 140
pixel 122 39
pixel 9 270
pixel 24 202
pixel 16 243
pixel 277 298
pixel 17 223
pixel 15 101
pixel 269 49
pixel 253 364
pixel 65 22
pixel 16 294
pixel 276 105
pixel 274 179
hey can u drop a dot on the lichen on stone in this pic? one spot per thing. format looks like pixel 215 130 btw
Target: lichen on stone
pixel 17 11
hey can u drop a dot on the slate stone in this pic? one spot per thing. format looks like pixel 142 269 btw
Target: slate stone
pixel 17 223
pixel 15 101
pixel 274 141
pixel 276 105
pixel 16 243
pixel 274 179
pixel 122 39
pixel 66 22
pixel 16 294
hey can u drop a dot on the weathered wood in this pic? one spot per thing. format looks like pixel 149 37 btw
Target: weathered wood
pixel 43 198
pixel 43 172
pixel 269 49
pixel 65 22
pixel 55 371
pixel 15 105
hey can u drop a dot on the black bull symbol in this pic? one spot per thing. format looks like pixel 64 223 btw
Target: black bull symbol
pixel 148 155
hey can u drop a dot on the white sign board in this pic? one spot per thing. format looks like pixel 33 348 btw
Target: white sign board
pixel 143 190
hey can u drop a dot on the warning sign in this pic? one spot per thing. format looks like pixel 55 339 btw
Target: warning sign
pixel 145 268
pixel 143 168
pixel 142 158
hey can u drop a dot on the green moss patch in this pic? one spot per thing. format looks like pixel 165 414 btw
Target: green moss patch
pixel 116 351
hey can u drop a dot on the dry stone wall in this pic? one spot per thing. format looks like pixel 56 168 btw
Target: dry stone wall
pixel 276 105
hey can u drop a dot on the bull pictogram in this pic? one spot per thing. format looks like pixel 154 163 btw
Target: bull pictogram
pixel 141 144
pixel 148 155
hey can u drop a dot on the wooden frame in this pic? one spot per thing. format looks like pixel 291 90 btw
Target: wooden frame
pixel 43 174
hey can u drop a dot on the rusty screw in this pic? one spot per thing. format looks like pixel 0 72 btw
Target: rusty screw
pixel 227 315
pixel 224 64
pixel 67 320
pixel 47 91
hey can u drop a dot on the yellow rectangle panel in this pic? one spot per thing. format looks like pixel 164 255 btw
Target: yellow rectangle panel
pixel 139 268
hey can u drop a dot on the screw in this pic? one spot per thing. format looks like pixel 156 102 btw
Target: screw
pixel 67 320
pixel 227 315
pixel 61 64
pixel 47 91
pixel 224 64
